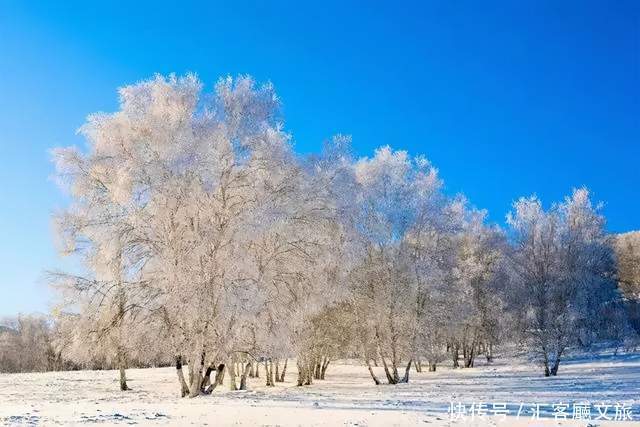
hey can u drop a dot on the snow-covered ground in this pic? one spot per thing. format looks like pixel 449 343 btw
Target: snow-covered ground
pixel 346 397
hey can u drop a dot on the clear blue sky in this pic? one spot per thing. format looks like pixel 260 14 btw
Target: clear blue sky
pixel 507 99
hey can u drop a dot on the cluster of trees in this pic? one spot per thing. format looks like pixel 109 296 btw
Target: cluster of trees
pixel 26 345
pixel 210 243
pixel 628 253
pixel 41 343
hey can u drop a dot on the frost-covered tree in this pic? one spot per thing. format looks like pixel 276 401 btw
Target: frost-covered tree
pixel 628 261
pixel 562 269
pixel 192 212
pixel 95 228
pixel 474 298
pixel 397 198
pixel 26 345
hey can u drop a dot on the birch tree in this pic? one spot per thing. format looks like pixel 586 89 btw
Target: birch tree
pixel 562 273
pixel 396 193
pixel 628 261
pixel 192 212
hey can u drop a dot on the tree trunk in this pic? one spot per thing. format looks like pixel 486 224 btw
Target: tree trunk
pixel 418 365
pixel 284 370
pixel 232 377
pixel 252 371
pixel 469 357
pixel 455 356
pixel 432 366
pixel 405 379
pixel 122 364
pixel 489 353
pixel 390 378
pixel 394 361
pixel 206 381
pixel 277 376
pixel 324 368
pixel 184 388
pixel 545 362
pixel 271 381
pixel 373 376
pixel 195 376
pixel 396 376
pixel 243 377
pixel 556 364
pixel 217 380
pixel 220 374
pixel 268 374
pixel 317 368
pixel 300 372
pixel 123 379
pixel 308 373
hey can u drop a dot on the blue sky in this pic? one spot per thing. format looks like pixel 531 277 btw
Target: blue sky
pixel 507 99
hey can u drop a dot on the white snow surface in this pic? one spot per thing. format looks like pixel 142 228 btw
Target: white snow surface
pixel 346 397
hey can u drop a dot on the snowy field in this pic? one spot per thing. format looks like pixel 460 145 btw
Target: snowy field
pixel 346 397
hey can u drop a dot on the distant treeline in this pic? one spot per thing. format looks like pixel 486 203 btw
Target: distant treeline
pixel 35 343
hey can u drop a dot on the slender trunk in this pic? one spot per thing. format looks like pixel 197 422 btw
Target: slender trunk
pixel 271 381
pixel 545 362
pixel 217 380
pixel 220 374
pixel 317 368
pixel 432 366
pixel 396 376
pixel 284 371
pixel 232 377
pixel 489 353
pixel 122 364
pixel 243 377
pixel 206 381
pixel 257 369
pixel 324 368
pixel 123 379
pixel 268 373
pixel 252 371
pixel 418 365
pixel 300 372
pixel 394 360
pixel 390 378
pixel 469 357
pixel 277 377
pixel 556 363
pixel 308 372
pixel 184 388
pixel 405 379
pixel 373 376
pixel 455 356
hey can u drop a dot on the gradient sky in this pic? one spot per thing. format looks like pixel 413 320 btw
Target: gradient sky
pixel 506 99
